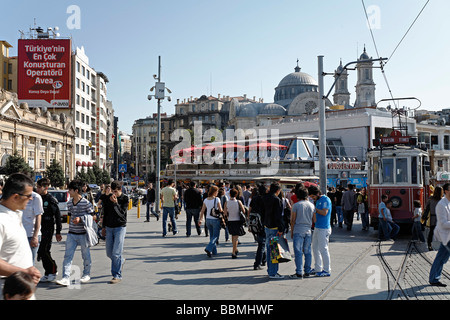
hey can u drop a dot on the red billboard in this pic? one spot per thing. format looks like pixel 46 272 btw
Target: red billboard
pixel 44 72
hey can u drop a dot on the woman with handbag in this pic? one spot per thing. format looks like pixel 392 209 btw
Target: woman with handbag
pixel 212 211
pixel 232 210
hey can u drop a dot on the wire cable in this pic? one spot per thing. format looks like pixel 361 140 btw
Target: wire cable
pixel 376 49
pixel 409 29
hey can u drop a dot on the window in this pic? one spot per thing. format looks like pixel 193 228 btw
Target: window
pixel 414 176
pixel 401 169
pixel 375 173
pixel 425 137
pixel 388 170
pixel 446 142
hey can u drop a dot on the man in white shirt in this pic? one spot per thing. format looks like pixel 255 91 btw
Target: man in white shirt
pixel 441 234
pixel 15 253
pixel 31 220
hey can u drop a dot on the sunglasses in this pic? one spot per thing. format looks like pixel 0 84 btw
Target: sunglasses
pixel 29 196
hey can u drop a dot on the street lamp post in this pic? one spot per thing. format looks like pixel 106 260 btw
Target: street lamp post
pixel 159 95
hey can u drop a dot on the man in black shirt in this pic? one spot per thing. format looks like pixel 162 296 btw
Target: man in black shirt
pixel 193 201
pixel 273 223
pixel 151 198
pixel 114 228
pixel 51 216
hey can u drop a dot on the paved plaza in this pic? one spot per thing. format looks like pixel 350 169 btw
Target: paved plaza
pixel 177 268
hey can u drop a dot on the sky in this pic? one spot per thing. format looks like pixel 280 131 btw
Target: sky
pixel 238 47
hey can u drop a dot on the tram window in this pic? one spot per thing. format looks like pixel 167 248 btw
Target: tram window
pixel 414 170
pixel 375 173
pixel 388 170
pixel 401 170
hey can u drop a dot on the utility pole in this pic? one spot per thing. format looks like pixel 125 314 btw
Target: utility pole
pixel 159 95
pixel 158 148
pixel 322 131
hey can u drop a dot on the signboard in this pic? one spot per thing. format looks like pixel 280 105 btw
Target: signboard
pixel 344 165
pixel 122 168
pixel 443 176
pixel 44 72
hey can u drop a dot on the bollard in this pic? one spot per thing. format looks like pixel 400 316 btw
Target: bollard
pixel 130 204
pixel 139 208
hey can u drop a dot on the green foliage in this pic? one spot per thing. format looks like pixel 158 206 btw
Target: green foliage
pixel 55 173
pixel 17 164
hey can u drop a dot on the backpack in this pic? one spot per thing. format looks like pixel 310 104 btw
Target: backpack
pixel 255 225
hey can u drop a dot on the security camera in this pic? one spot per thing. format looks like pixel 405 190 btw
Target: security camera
pixel 149 97
pixel 169 99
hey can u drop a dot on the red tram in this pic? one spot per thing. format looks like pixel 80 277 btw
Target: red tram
pixel 399 169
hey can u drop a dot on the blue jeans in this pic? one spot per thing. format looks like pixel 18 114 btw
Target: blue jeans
pixel 150 206
pixel 260 257
pixel 34 250
pixel 213 226
pixel 115 237
pixel 389 229
pixel 72 241
pixel 272 268
pixel 441 258
pixel 169 211
pixel 339 214
pixel 302 246
pixel 365 219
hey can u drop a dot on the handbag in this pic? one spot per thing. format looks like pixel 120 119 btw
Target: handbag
pixel 215 213
pixel 279 250
pixel 243 217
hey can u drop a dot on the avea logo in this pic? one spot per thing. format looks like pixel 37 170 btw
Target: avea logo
pixel 58 85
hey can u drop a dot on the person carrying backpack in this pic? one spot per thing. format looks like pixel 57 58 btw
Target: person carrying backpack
pixel 256 227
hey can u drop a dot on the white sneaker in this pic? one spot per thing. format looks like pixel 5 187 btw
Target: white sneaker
pixel 277 276
pixel 85 279
pixel 63 282
pixel 48 278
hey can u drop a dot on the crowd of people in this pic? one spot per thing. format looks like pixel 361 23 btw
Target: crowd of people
pixel 29 217
pixel 305 213
pixel 214 207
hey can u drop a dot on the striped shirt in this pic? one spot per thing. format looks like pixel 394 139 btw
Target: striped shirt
pixel 83 207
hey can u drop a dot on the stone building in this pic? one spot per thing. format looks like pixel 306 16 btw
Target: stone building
pixel 39 137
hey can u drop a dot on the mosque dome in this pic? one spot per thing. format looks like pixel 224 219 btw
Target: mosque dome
pixel 292 85
pixel 248 111
pixel 273 109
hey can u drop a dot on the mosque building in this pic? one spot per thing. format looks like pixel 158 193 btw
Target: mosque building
pixel 297 94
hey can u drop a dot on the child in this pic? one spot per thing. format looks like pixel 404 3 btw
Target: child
pixel 417 227
pixel 19 286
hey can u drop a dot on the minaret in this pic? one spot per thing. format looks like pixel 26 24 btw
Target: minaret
pixel 341 94
pixel 365 87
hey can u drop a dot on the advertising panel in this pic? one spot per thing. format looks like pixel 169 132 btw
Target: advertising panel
pixel 44 73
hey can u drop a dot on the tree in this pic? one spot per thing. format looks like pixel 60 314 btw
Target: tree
pixel 55 173
pixel 81 175
pixel 90 176
pixel 17 164
pixel 98 174
pixel 106 177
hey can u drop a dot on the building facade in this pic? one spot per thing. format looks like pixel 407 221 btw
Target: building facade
pixel 93 115
pixel 8 68
pixel 38 137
